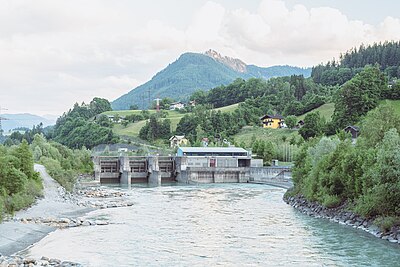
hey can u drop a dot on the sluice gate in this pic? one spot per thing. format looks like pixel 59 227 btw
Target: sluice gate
pixel 131 170
pixel 194 165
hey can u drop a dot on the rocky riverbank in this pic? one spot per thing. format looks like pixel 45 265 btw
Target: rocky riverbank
pixel 17 261
pixel 57 209
pixel 342 216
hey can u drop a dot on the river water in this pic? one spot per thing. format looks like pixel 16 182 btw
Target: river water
pixel 214 225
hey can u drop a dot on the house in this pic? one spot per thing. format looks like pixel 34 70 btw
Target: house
pixel 215 157
pixel 113 118
pixel 177 105
pixel 354 130
pixel 204 141
pixel 273 121
pixel 178 140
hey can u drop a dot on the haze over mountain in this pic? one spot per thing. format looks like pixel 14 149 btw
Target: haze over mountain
pixel 24 120
pixel 193 71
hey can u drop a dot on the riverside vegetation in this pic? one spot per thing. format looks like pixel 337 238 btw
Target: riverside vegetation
pixel 20 185
pixel 361 177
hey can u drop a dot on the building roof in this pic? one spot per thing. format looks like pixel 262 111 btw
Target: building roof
pixel 179 137
pixel 355 128
pixel 271 116
pixel 212 149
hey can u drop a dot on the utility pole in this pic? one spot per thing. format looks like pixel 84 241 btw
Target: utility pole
pixel 158 104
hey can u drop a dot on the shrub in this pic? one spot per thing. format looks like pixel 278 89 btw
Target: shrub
pixel 386 223
pixel 331 201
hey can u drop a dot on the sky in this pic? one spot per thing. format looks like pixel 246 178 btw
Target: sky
pixel 56 53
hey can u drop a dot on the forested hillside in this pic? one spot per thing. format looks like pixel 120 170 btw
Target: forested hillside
pixel 76 128
pixel 364 177
pixel 292 95
pixel 386 55
pixel 193 71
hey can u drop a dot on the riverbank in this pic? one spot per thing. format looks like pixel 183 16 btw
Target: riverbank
pixel 57 209
pixel 342 216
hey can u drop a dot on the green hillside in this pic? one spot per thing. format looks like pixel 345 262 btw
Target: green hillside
pixel 248 133
pixel 395 104
pixel 193 71
pixel 190 72
pixel 133 128
pixel 325 111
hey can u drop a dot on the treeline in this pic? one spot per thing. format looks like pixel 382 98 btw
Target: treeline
pixel 386 55
pixel 292 95
pixel 332 171
pixel 205 122
pixel 61 162
pixel 156 128
pixel 352 102
pixel 20 185
pixel 76 128
pixel 360 95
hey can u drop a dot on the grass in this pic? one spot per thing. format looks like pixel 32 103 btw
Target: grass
pixel 326 111
pixel 229 108
pixel 174 116
pixel 277 136
pixel 395 104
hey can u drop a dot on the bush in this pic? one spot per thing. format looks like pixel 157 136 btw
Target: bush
pixel 386 223
pixel 331 201
pixel 62 163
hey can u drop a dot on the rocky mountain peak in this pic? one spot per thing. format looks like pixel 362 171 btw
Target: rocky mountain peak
pixel 233 63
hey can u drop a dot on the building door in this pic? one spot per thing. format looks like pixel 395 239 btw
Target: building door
pixel 212 163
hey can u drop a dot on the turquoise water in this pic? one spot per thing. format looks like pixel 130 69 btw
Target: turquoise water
pixel 214 225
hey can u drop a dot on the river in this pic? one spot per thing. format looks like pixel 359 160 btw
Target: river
pixel 214 225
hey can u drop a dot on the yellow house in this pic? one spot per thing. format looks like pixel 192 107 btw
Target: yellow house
pixel 178 140
pixel 273 121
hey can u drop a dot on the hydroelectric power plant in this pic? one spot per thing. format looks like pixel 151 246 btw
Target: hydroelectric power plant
pixel 190 165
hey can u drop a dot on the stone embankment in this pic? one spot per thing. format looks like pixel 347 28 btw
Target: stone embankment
pixel 342 216
pixel 17 261
pixel 62 222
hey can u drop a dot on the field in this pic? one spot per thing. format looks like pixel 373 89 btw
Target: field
pixel 395 104
pixel 326 111
pixel 248 133
pixel 133 128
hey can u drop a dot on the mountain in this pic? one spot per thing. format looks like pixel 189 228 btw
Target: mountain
pixel 23 120
pixel 193 71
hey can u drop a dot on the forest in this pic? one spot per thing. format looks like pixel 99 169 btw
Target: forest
pixel 386 55
pixel 78 127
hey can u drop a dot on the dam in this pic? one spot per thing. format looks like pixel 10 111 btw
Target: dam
pixel 190 165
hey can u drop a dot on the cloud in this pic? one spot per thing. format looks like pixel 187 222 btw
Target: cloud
pixel 56 53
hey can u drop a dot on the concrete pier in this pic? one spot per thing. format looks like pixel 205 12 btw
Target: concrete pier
pixel 154 172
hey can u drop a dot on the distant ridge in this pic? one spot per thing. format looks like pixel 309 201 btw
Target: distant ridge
pixel 193 71
pixel 24 120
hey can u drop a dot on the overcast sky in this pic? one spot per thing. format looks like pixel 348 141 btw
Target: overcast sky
pixel 56 53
